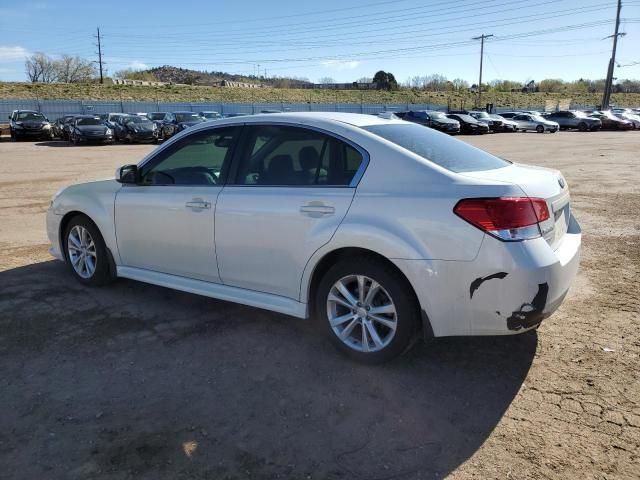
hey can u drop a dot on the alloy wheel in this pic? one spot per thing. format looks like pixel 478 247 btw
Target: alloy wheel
pixel 361 313
pixel 82 251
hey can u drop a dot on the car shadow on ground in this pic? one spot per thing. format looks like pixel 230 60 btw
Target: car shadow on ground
pixel 133 380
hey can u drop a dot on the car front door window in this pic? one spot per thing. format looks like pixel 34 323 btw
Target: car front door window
pixel 198 159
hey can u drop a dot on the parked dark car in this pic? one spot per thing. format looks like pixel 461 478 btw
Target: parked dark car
pixel 482 116
pixel 175 122
pixel 58 125
pixel 611 122
pixel 468 124
pixel 431 119
pixel 88 129
pixel 133 128
pixel 24 124
pixel 574 119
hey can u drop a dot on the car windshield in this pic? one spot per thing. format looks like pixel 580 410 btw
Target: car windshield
pixel 140 120
pixel 30 117
pixel 538 118
pixel 580 114
pixel 437 115
pixel 188 117
pixel 156 116
pixel 442 150
pixel 211 115
pixel 496 116
pixel 88 121
pixel 481 114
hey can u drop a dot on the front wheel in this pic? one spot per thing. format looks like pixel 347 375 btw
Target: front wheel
pixel 582 127
pixel 86 252
pixel 540 129
pixel 368 308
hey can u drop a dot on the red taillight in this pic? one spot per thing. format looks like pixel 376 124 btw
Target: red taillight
pixel 505 217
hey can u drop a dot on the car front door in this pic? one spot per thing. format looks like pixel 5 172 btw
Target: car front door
pixel 290 189
pixel 165 223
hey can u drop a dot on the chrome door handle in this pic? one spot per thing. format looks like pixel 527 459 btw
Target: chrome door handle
pixel 198 204
pixel 317 209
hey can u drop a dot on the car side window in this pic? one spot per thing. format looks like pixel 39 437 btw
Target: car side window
pixel 198 159
pixel 279 155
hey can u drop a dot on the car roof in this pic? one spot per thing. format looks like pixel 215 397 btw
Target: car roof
pixel 184 111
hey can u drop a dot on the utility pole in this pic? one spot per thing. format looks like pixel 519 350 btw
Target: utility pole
pixel 100 55
pixel 609 82
pixel 481 38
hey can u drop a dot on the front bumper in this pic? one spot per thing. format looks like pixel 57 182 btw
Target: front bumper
pixel 96 138
pixel 53 230
pixel 509 288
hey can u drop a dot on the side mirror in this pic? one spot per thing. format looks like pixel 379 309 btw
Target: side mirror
pixel 127 174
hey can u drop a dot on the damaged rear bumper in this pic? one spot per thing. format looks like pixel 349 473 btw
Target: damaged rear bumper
pixel 510 287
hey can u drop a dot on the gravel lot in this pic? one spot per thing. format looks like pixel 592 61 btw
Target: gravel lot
pixel 137 381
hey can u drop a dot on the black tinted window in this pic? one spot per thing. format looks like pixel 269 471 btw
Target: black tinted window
pixel 283 155
pixel 438 148
pixel 198 159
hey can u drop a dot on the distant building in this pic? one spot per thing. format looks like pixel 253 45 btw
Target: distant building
pixel 342 86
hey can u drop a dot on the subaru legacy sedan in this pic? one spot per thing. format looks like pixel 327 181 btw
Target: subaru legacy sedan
pixel 380 229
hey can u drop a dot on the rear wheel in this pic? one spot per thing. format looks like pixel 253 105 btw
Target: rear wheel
pixel 86 252
pixel 368 309
pixel 540 129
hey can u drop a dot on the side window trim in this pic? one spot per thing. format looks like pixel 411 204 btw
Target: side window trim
pixel 241 152
pixel 151 162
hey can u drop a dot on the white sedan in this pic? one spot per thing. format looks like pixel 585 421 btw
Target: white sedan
pixel 380 229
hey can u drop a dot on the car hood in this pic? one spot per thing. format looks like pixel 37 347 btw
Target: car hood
pixel 140 127
pixel 189 124
pixel 92 128
pixel 32 124
pixel 446 121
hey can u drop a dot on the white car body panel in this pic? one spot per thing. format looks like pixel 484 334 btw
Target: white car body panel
pixel 157 231
pixel 255 246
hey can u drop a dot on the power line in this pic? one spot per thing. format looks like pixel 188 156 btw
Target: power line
pixel 481 38
pixel 612 61
pixel 99 45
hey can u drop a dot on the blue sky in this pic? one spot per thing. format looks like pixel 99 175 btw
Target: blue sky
pixel 342 39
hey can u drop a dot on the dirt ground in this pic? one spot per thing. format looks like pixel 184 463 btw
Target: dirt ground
pixel 137 381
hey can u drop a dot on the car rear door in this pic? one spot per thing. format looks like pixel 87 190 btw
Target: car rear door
pixel 290 189
pixel 165 223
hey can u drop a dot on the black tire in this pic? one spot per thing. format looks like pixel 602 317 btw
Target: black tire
pixel 102 274
pixel 397 288
pixel 540 129
pixel 582 127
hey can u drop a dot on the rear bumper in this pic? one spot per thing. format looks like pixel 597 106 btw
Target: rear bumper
pixel 510 287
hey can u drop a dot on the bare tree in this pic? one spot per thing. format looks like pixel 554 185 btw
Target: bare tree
pixel 326 80
pixel 40 68
pixel 74 69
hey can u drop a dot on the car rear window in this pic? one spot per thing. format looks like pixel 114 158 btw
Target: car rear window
pixel 437 147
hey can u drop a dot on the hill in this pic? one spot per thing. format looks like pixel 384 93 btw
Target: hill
pixel 173 93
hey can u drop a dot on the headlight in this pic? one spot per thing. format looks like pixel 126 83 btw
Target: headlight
pixel 18 124
pixel 46 126
pixel 109 132
pixel 135 130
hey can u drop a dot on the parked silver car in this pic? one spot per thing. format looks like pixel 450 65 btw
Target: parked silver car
pixel 574 119
pixel 526 121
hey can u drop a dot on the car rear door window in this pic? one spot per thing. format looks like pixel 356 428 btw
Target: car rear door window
pixel 198 159
pixel 282 155
pixel 446 152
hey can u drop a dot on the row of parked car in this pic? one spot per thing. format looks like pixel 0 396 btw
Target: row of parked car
pixel 158 126
pixel 104 128
pixel 479 122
